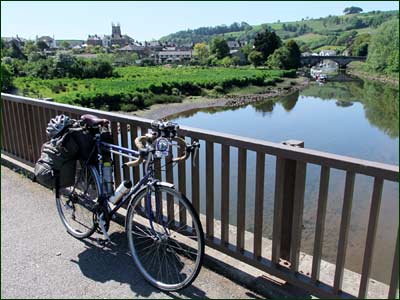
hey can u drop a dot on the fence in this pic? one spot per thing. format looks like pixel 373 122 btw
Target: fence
pixel 24 120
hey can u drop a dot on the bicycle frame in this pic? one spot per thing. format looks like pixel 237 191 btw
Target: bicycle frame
pixel 147 178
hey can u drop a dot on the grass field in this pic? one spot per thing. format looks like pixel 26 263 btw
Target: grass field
pixel 139 87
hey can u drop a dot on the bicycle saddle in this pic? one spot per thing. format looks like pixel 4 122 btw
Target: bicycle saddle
pixel 92 120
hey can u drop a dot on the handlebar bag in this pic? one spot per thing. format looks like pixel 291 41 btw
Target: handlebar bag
pixel 57 156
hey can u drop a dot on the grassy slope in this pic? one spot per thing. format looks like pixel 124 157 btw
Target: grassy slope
pixel 317 26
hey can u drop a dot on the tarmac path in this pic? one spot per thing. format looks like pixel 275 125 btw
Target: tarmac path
pixel 40 260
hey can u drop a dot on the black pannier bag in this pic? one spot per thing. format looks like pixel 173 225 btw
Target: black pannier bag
pixel 58 156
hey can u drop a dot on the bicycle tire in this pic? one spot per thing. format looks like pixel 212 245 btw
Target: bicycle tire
pixel 76 203
pixel 178 246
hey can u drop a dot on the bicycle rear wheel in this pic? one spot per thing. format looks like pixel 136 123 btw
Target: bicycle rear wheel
pixel 76 203
pixel 168 250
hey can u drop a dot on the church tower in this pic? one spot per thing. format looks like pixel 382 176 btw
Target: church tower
pixel 116 31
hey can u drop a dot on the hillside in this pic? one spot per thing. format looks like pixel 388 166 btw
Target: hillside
pixel 313 33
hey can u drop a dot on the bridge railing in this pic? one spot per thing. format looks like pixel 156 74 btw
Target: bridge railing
pixel 23 131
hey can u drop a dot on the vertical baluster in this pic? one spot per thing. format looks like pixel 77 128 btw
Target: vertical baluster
pixel 320 225
pixel 278 202
pixel 394 280
pixel 209 189
pixel 36 132
pixel 371 233
pixel 124 143
pixel 259 205
pixel 134 134
pixel 22 132
pixel 225 159
pixel 170 178
pixel 195 181
pixel 344 230
pixel 16 129
pixel 241 203
pixel 182 187
pixel 117 171
pixel 7 144
pixel 299 187
pixel 28 130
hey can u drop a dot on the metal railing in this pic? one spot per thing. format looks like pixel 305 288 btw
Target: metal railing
pixel 24 121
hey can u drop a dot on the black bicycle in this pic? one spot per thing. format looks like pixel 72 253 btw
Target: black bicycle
pixel 164 232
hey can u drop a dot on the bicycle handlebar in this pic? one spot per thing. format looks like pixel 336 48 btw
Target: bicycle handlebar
pixel 140 143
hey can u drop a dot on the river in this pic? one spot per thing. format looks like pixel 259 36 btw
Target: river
pixel 352 117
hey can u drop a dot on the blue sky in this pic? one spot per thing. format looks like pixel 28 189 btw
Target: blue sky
pixel 151 20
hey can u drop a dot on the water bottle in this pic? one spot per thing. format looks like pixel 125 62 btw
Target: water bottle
pixel 122 190
pixel 107 178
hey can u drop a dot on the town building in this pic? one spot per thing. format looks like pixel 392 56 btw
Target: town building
pixel 94 40
pixel 327 53
pixel 50 41
pixel 174 56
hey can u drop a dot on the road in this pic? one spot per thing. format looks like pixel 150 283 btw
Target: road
pixel 40 260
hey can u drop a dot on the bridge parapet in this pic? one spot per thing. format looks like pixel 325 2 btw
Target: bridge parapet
pixel 342 61
pixel 23 120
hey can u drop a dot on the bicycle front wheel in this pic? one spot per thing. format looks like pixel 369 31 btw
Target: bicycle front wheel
pixel 165 238
pixel 76 203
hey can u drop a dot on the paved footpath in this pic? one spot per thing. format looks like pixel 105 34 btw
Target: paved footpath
pixel 40 260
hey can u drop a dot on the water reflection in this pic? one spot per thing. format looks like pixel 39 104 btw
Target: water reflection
pixel 353 118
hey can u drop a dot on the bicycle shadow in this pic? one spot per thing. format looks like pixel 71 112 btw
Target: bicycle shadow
pixel 114 262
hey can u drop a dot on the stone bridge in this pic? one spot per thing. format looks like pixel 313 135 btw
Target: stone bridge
pixel 342 61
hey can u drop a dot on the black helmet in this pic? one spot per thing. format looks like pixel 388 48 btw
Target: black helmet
pixel 57 124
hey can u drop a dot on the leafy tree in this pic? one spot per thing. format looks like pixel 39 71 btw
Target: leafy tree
pixel 42 45
pixel 16 51
pixel 352 10
pixel 359 47
pixel 280 59
pixel 65 44
pixel 30 47
pixel 294 58
pixel 267 42
pixel 201 52
pixel 256 58
pixel 6 78
pixel 219 47
pixel 383 50
pixel 226 61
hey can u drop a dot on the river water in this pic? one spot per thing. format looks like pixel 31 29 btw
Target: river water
pixel 352 117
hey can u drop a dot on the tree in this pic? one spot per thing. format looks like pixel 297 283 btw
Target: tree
pixel 294 59
pixel 65 45
pixel 267 42
pixel 219 47
pixel 30 47
pixel 352 10
pixel 383 50
pixel 280 59
pixel 6 78
pixel 256 58
pixel 201 52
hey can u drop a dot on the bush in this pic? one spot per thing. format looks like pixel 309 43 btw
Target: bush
pixel 219 89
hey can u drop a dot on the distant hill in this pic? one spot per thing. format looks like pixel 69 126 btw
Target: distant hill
pixel 327 32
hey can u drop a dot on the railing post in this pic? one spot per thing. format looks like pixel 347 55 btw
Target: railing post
pixel 288 201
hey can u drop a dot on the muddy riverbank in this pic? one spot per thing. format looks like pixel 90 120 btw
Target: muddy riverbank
pixel 232 99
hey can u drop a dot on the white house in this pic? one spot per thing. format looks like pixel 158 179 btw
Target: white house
pixel 174 56
pixel 327 53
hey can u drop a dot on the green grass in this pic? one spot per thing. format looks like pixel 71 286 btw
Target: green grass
pixel 139 87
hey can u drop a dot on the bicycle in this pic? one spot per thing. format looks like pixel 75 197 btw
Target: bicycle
pixel 168 252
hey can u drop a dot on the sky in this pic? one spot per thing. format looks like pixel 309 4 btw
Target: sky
pixel 152 20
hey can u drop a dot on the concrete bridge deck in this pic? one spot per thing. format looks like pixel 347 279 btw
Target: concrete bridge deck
pixel 40 260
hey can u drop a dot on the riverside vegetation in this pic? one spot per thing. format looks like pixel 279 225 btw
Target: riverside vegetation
pixel 135 88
